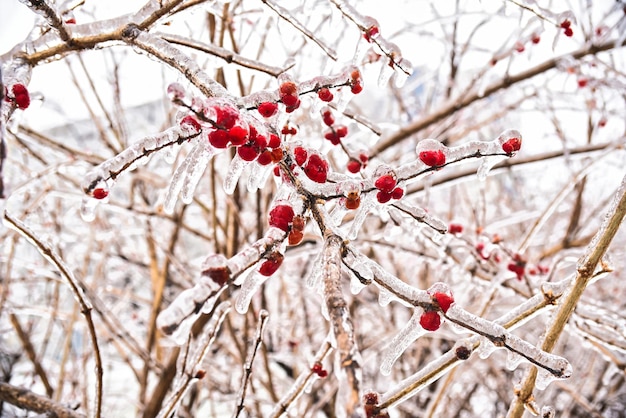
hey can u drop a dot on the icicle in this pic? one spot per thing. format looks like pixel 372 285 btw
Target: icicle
pixel 250 286
pixel 315 274
pixel 88 209
pixel 178 178
pixel 486 164
pixel 386 71
pixel 401 341
pixel 258 176
pixel 402 72
pixel 368 202
pixel 234 172
pixel 355 285
pixel 198 162
pixel 513 360
pixel 485 348
pixel 384 297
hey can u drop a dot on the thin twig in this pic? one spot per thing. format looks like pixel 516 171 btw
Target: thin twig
pixel 30 401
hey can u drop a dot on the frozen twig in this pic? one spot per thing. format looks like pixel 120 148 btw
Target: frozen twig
pixel 42 8
pixel 585 272
pixel 247 367
pixel 204 343
pixel 77 290
pixel 30 401
pixel 284 14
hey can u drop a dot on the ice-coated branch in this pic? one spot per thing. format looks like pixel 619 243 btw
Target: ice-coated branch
pixel 586 269
pixel 303 380
pixel 42 8
pixel 30 401
pixel 164 51
pixel 218 272
pixel 207 337
pixel 152 11
pixel 223 53
pixel 284 14
pixel 247 367
pixel 109 170
pixel 349 372
pixel 77 288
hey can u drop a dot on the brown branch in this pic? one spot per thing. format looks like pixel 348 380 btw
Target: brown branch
pixel 30 401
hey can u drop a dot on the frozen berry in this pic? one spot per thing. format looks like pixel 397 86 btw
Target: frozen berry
pixel 462 353
pixel 226 116
pixel 455 228
pixel 276 155
pixel 219 138
pixel 397 193
pixel 219 275
pixel 385 183
pixel 267 109
pixel 353 203
pixel 281 217
pixel 238 135
pixel 433 158
pixel 273 141
pixel 443 300
pixel 316 169
pixel 328 118
pixel 370 33
pixel 383 197
pixel 264 158
pixel 190 121
pixel 248 152
pixel 354 166
pixel 100 193
pixel 582 82
pixel 273 262
pixel 512 145
pixel 300 155
pixel 295 237
pixel 430 321
pixel 20 96
pixel 325 95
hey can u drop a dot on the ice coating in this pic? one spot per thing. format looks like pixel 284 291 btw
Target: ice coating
pixel 368 202
pixel 422 216
pixel 178 179
pixel 486 164
pixel 401 341
pixel 235 169
pixel 196 167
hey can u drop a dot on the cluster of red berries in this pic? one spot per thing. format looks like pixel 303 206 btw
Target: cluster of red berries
pixel 271 264
pixel 517 266
pixel 511 145
pixel 387 190
pixel 355 165
pixel 356 82
pixel 283 217
pixel 319 370
pixel 430 319
pixel 19 96
pixel 313 165
pixel 455 228
pixel 336 131
pixel 288 92
pixel 566 25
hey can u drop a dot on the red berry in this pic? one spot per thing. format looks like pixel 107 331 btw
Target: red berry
pixel 566 24
pixel 582 82
pixel 21 96
pixel 512 145
pixel 200 374
pixel 267 109
pixel 383 197
pixel 190 121
pixel 100 193
pixel 602 122
pixel 353 203
pixel 318 369
pixel 274 141
pixel 288 88
pixel 356 88
pixel 328 118
pixel 443 300
pixel 364 158
pixel 341 131
pixel 519 47
pixel 455 228
pixel 316 169
pixel 300 155
pixel 430 320
pixel 325 95
pixel 433 158
pixel 535 39
pixel 354 166
pixel 281 217
pixel 70 21
pixel 226 116
pixel 290 101
pixel 219 138
pixel 219 275
pixel 264 158
pixel 260 141
pixel 248 152
pixel 385 183
pixel 298 223
pixel 272 264
pixel 568 32
pixel 276 171
pixel 332 137
pixel 295 237
pixel 518 269
pixel 370 33
pixel 276 154
pixel 397 193
pixel 288 130
pixel 290 109
pixel 238 135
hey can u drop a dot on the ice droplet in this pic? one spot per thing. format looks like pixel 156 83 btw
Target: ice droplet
pixel 197 165
pixel 400 342
pixel 485 348
pixel 513 360
pixel 384 297
pixel 88 209
pixel 368 201
pixel 544 378
pixel 355 285
pixel 386 71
